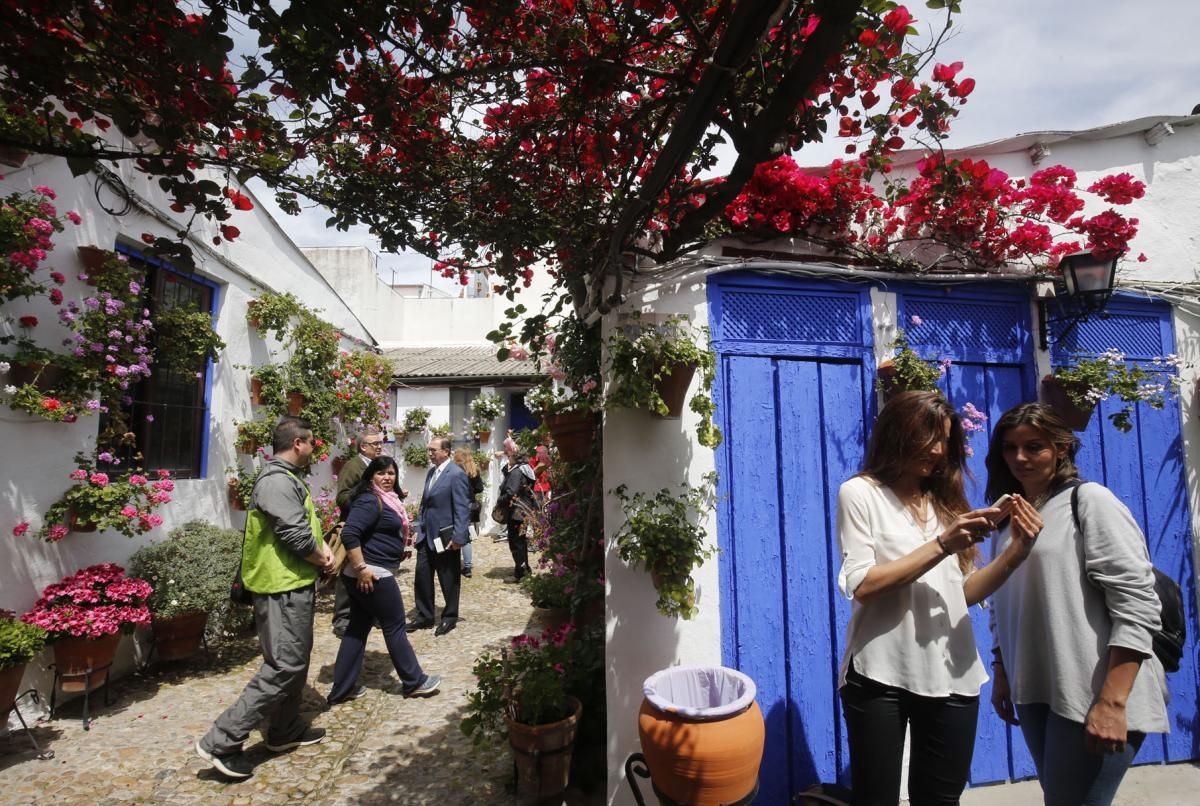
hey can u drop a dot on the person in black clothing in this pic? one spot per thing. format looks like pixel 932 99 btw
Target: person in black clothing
pixel 376 541
pixel 516 495
pixel 466 460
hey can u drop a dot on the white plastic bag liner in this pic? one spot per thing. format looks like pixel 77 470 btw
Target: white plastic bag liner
pixel 700 692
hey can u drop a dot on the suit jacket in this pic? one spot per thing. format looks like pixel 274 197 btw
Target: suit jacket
pixel 447 503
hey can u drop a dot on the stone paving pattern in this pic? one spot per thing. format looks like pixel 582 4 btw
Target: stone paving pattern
pixel 381 748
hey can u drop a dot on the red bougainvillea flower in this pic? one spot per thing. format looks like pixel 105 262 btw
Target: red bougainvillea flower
pixel 230 232
pixel 240 201
pixel 20 529
pixel 28 321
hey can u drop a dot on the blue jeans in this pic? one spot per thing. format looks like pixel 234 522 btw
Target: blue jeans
pixel 1068 773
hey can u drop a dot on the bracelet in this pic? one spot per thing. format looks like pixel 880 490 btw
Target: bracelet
pixel 945 551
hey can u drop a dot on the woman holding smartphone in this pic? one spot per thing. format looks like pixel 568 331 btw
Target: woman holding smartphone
pixel 1072 631
pixel 908 540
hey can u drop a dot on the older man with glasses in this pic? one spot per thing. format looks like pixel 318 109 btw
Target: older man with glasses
pixel 370 445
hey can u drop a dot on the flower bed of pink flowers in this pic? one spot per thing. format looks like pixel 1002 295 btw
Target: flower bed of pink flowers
pixel 96 601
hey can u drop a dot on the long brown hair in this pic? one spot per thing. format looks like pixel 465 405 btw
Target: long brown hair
pixel 466 458
pixel 907 426
pixel 1045 419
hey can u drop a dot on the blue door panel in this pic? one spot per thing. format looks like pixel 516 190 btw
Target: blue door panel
pixel 759 615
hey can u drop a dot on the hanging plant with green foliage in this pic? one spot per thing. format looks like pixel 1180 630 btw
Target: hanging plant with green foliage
pixel 186 338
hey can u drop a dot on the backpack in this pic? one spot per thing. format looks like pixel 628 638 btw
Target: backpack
pixel 1169 639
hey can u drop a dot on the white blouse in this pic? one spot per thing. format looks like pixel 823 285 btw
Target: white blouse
pixel 917 637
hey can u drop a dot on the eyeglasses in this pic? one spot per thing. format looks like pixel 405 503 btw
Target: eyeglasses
pixel 374 444
pixel 435 450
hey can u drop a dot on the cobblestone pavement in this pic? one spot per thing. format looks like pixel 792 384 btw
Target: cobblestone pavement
pixel 381 748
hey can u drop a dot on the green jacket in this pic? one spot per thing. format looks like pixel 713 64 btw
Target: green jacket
pixel 271 565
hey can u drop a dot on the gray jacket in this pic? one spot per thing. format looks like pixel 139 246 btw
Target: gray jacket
pixel 281 498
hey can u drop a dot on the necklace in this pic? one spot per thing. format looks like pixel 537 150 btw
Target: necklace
pixel 917 507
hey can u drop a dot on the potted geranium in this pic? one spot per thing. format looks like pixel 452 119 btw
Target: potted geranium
pixel 27 222
pixel 416 455
pixel 240 483
pixel 84 615
pixel 415 419
pixel 123 502
pixel 190 572
pixel 19 644
pixel 482 460
pixel 662 535
pixel 1075 390
pixel 522 694
pixel 906 371
pixel 254 434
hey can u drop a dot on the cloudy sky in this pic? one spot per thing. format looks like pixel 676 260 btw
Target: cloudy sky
pixel 1039 65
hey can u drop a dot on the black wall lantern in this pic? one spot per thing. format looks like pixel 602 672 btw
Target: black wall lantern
pixel 1083 290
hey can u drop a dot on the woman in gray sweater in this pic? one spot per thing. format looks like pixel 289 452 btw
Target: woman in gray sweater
pixel 1073 661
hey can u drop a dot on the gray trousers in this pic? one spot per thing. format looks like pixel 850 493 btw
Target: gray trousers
pixel 285 633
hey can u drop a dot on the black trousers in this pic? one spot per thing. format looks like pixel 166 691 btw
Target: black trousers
pixel 942 734
pixel 385 605
pixel 518 546
pixel 448 567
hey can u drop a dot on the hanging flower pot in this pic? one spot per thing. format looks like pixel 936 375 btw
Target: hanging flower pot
pixel 10 684
pixel 247 445
pixel 14 157
pixel 702 734
pixel 93 259
pixel 543 753
pixel 74 657
pixel 885 374
pixel 45 377
pixel 76 524
pixel 574 432
pixel 256 391
pixel 1055 395
pixel 180 636
pixel 295 403
pixel 235 498
pixel 672 388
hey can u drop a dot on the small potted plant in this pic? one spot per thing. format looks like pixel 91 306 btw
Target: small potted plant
pixel 442 430
pixel 240 483
pixel 190 572
pixel 1076 389
pixel 415 419
pixel 662 535
pixel 652 364
pixel 123 502
pixel 253 435
pixel 906 371
pixel 522 694
pixel 548 592
pixel 19 644
pixel 416 455
pixel 272 313
pixel 84 616
pixel 486 408
pixel 482 460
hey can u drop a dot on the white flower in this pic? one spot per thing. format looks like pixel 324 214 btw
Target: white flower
pixel 10 389
pixel 174 601
pixel 170 582
pixel 5 366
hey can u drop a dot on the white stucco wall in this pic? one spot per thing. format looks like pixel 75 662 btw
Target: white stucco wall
pixel 647 454
pixel 38 454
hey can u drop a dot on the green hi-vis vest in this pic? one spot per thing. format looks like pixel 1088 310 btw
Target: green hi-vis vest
pixel 267 565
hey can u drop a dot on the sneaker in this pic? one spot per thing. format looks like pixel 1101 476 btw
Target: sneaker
pixel 310 736
pixel 500 538
pixel 466 572
pixel 428 688
pixel 353 695
pixel 231 765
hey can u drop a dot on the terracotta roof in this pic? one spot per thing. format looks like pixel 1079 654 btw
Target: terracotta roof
pixel 459 361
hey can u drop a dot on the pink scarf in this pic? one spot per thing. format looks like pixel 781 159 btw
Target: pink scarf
pixel 392 502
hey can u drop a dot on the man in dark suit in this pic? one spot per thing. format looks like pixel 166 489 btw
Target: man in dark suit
pixel 445 517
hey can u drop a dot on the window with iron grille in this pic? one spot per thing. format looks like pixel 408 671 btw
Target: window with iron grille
pixel 168 412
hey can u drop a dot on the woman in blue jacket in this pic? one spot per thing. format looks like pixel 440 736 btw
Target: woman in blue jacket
pixel 376 541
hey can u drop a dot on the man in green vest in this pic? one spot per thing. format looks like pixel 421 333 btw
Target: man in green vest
pixel 283 555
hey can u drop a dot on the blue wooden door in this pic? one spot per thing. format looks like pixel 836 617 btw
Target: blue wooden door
pixel 793 387
pixel 1145 469
pixel 983 336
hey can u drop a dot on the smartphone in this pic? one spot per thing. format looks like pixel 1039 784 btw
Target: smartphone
pixel 1002 500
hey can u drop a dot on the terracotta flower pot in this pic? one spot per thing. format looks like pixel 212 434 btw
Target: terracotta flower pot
pixel 256 396
pixel 485 436
pixel 247 445
pixel 554 617
pixel 574 433
pixel 235 500
pixel 180 636
pixel 93 259
pixel 10 684
pixel 672 388
pixel 75 524
pixel 1055 395
pixel 73 657
pixel 543 753
pixel 295 403
pixel 702 761
pixel 14 157
pixel 886 373
pixel 45 377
